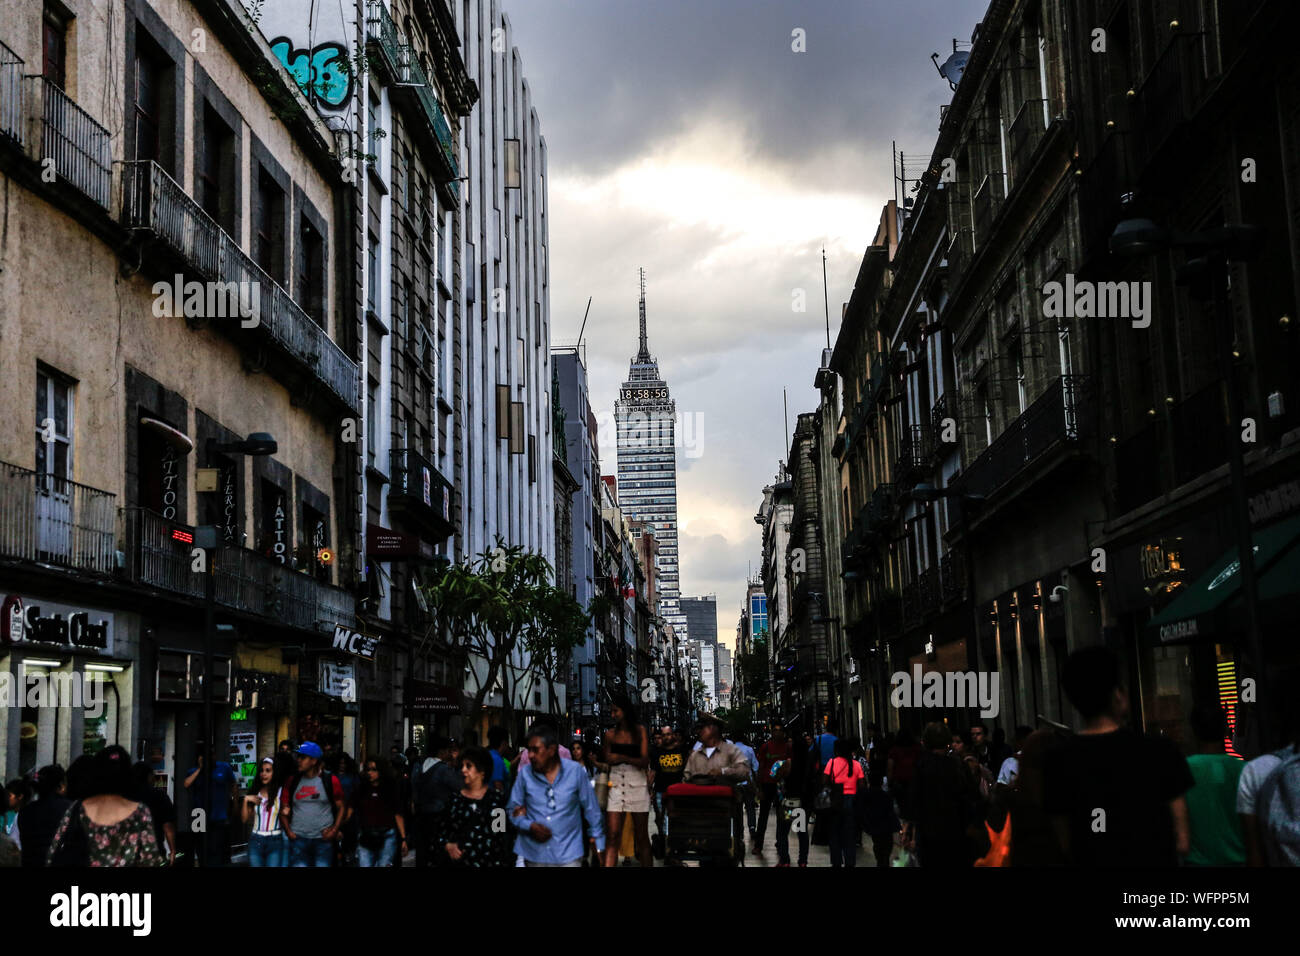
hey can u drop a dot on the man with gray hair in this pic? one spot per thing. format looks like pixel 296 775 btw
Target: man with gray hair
pixel 550 802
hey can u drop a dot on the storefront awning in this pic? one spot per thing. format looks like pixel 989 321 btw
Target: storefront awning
pixel 1211 606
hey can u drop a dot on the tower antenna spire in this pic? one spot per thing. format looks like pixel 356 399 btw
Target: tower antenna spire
pixel 643 354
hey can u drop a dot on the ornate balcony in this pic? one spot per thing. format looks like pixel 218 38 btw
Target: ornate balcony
pixel 1056 419
pixel 11 96
pixel 159 556
pixel 65 136
pixel 383 42
pixel 49 520
pixel 414 84
pixel 155 205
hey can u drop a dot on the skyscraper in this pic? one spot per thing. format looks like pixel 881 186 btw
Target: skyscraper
pixel 647 466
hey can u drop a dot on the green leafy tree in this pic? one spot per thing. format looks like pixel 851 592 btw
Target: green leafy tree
pixel 497 606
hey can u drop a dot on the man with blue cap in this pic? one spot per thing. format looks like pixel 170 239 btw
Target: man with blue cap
pixel 312 810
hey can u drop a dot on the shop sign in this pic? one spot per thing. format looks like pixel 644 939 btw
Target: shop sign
pixel 423 695
pixel 354 642
pixel 51 623
pixel 1161 561
pixel 1277 501
pixel 338 680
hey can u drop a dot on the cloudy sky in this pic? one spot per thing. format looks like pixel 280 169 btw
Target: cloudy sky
pixel 688 138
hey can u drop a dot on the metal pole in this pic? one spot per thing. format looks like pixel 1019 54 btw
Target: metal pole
pixel 1256 731
pixel 209 732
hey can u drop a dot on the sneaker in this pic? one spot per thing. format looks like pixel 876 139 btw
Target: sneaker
pixel 756 848
pixel 779 865
pixel 803 864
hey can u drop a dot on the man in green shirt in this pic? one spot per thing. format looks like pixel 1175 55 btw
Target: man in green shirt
pixel 1216 837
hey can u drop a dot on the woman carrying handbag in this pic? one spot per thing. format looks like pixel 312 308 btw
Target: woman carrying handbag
pixel 840 776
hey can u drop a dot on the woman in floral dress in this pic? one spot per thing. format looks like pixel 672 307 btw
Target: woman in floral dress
pixel 466 831
pixel 107 828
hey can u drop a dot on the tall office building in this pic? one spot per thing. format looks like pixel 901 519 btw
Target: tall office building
pixel 701 615
pixel 647 466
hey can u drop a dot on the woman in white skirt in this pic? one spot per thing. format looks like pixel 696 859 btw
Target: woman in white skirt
pixel 627 751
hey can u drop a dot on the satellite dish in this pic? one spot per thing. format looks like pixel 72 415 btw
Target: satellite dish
pixel 954 67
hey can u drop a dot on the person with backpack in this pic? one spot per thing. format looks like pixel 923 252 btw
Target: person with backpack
pixel 1268 793
pixel 312 810
pixel 432 785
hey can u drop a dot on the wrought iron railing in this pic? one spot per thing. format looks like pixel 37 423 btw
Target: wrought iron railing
pixel 384 39
pixel 55 521
pixel 11 95
pixel 1024 135
pixel 160 555
pixel 1061 415
pixel 153 201
pixel 78 147
pixel 413 75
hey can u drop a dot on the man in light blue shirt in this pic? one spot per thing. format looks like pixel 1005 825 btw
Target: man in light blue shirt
pixel 551 800
pixel 747 791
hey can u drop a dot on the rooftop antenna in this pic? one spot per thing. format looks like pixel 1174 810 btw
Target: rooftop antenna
pixel 826 299
pixel 584 321
pixel 786 419
pixel 643 355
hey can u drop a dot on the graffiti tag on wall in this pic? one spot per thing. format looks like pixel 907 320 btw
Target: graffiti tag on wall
pixel 323 72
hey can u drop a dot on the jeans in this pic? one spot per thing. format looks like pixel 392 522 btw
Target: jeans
pixel 269 850
pixel 311 851
pixel 844 835
pixel 573 863
pixel 783 838
pixel 747 801
pixel 766 799
pixel 380 857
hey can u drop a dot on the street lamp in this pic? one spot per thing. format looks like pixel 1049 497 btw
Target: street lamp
pixel 208 537
pixel 1207 276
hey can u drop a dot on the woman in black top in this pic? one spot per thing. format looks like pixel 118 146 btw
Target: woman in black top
pixel 38 820
pixel 627 749
pixel 465 830
pixel 377 808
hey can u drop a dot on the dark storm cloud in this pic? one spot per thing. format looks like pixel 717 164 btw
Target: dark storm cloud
pixel 614 80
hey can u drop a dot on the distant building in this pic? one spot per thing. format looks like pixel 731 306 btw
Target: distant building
pixel 647 466
pixel 701 615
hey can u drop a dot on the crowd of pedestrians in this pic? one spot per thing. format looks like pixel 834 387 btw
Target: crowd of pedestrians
pixel 1105 796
